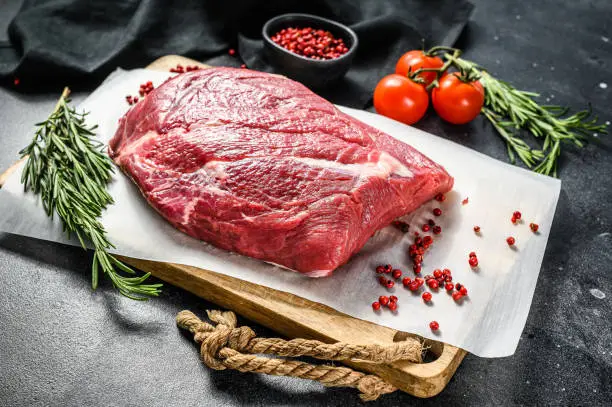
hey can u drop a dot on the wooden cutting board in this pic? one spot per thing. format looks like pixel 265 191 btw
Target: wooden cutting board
pixel 296 317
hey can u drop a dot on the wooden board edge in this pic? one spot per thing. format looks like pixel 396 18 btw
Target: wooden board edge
pixel 167 62
pixel 7 173
pixel 262 305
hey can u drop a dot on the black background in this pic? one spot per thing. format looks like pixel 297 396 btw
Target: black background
pixel 79 42
pixel 62 345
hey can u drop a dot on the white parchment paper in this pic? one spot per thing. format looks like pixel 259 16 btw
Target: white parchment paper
pixel 487 323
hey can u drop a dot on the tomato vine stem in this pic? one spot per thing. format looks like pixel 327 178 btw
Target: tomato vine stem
pixel 439 71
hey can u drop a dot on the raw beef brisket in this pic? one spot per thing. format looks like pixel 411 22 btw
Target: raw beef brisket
pixel 258 164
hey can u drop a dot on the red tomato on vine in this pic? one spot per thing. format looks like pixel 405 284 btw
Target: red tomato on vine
pixel 416 59
pixel 456 100
pixel 400 98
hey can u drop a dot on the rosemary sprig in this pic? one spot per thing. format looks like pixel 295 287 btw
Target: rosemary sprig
pixel 510 110
pixel 70 173
pixel 515 145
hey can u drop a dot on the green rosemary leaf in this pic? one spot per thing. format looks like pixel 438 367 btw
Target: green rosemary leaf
pixel 511 154
pixel 94 271
pixel 122 266
pixel 70 172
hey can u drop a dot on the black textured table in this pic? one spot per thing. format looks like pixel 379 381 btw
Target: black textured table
pixel 61 344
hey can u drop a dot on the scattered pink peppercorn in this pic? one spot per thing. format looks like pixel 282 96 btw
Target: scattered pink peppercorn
pixel 179 69
pixel 392 306
pixel 380 269
pixel 390 283
pixel 388 268
pixel 431 222
pixel 146 88
pixel 473 262
pixel 465 201
pixel 476 229
pixel 449 286
pixel 417 269
pixel 396 273
pixel 534 227
pixel 413 286
pixel 437 273
pixel 232 51
pixel 426 296
pixel 406 281
pixel 425 228
pixel 384 300
pixel 382 280
pixel 433 284
pixel 457 296
pixel 437 211
pixel 434 325
pixel 437 230
pixel 517 215
pixel 393 298
pixel 511 241
pixel 440 197
pixel 376 305
pixel 463 291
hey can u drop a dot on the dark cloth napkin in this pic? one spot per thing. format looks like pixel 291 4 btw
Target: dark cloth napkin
pixel 79 42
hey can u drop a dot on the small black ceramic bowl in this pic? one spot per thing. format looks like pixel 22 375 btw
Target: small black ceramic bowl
pixel 313 73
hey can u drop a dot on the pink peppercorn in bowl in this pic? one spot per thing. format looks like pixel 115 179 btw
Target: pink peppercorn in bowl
pixel 309 49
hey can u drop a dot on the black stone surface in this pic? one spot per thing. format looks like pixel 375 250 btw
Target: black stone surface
pixel 61 344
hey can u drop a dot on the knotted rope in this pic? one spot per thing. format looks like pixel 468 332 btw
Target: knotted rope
pixel 225 346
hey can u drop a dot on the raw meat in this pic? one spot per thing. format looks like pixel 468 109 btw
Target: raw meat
pixel 258 164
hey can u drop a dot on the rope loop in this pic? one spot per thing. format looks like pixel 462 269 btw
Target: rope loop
pixel 226 346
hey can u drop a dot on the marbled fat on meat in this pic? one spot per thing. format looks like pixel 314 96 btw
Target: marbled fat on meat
pixel 258 164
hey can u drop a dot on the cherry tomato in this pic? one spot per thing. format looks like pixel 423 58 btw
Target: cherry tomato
pixel 456 101
pixel 413 60
pixel 400 98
